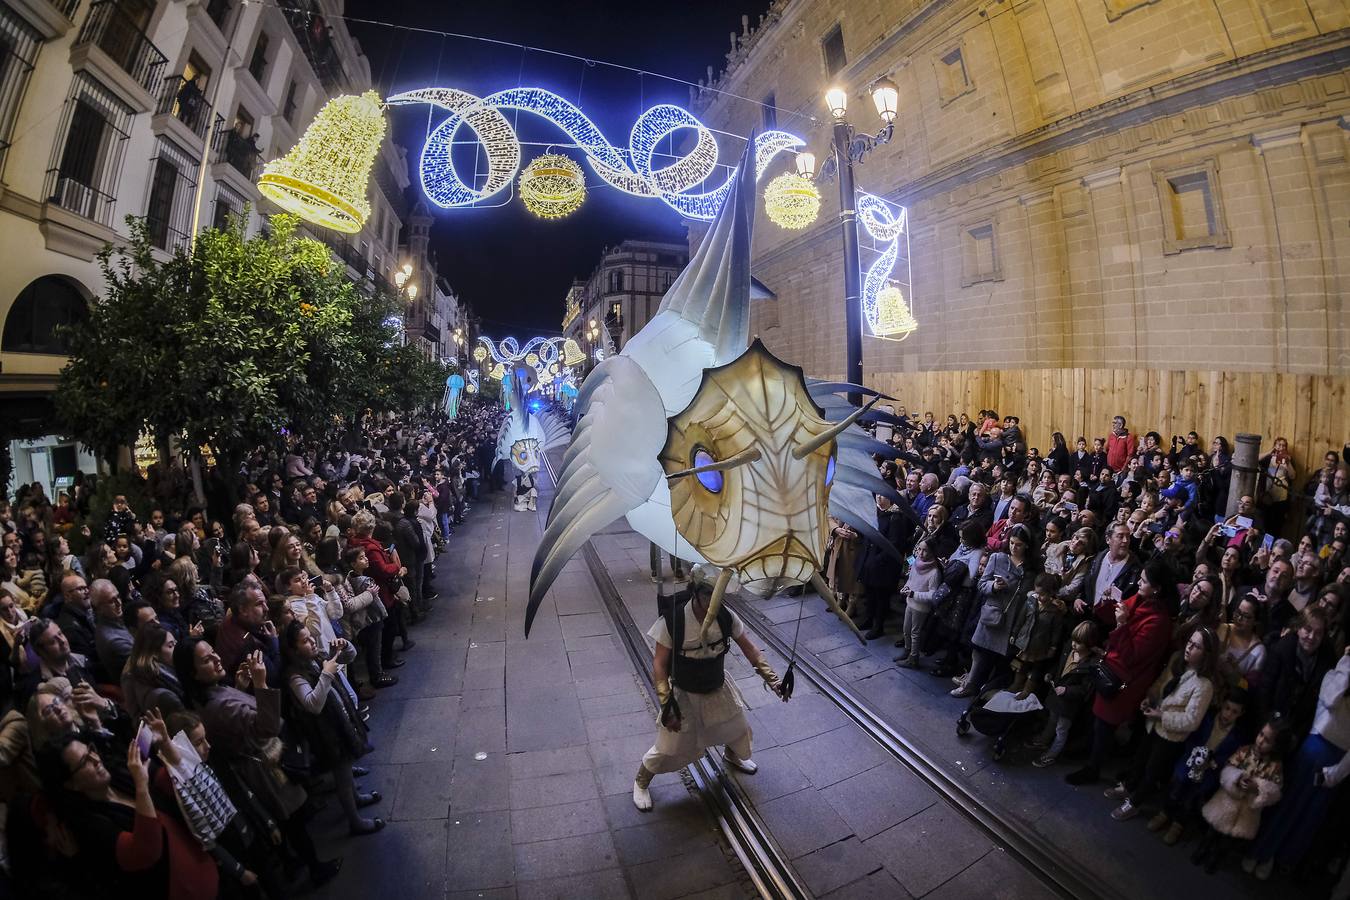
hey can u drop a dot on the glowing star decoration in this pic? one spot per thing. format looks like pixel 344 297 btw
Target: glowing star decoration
pixel 479 354
pixel 633 170
pixel 323 178
pixel 889 226
pixel 552 186
pixel 613 467
pixel 792 201
pixel 572 354
pixel 894 319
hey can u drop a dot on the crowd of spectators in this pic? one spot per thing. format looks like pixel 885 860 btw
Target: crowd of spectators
pixel 1194 649
pixel 179 700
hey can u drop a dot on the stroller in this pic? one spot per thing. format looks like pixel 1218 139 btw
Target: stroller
pixel 999 724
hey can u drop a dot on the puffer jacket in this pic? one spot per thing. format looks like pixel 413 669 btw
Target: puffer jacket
pixel 1136 653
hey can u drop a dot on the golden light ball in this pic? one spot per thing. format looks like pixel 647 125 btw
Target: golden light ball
pixel 792 201
pixel 552 186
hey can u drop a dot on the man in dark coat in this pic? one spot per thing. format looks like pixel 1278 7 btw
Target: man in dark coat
pixel 878 570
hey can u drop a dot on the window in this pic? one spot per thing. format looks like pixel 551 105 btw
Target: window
pixel 769 113
pixel 31 325
pixel 18 50
pixel 616 281
pixel 168 213
pixel 979 254
pixel 197 68
pixel 228 203
pixel 616 312
pixel 832 45
pixel 243 123
pixel 288 110
pixel 87 158
pixel 953 77
pixel 1192 209
pixel 257 66
pixel 219 11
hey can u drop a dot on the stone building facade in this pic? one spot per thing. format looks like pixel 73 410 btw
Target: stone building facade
pixel 622 293
pixel 1117 185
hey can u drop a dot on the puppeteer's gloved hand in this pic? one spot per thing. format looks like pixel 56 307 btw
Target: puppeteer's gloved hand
pixel 768 674
pixel 670 708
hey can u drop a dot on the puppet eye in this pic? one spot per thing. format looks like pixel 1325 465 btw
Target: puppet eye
pixel 711 481
pixel 829 472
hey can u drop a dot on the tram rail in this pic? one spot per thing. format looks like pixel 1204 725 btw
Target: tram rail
pixel 1060 872
pixel 745 832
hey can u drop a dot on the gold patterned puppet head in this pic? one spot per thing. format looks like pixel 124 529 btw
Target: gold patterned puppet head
pixel 750 461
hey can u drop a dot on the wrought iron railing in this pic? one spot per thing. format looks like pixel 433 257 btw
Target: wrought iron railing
pixel 230 146
pixel 183 100
pixel 78 197
pixel 113 31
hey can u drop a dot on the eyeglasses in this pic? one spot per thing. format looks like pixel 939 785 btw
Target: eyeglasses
pixel 1245 616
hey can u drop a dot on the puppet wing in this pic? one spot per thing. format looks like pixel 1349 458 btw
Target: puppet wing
pixel 610 468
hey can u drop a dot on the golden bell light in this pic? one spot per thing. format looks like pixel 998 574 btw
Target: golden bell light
pixel 571 353
pixel 323 179
pixel 895 320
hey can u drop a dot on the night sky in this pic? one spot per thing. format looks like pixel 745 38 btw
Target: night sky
pixel 513 268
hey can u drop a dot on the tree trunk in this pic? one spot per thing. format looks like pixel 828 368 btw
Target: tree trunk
pixel 196 465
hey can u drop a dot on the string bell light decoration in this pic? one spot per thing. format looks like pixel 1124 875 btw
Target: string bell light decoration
pixel 552 186
pixel 792 201
pixel 323 179
pixel 895 320
pixel 572 354
pixel 498 372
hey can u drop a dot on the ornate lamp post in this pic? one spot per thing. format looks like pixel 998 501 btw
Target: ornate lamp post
pixel 846 149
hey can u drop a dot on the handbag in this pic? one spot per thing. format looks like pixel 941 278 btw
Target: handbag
pixel 1105 680
pixel 206 808
pixel 995 616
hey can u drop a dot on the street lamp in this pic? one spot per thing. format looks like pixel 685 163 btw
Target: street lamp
pixel 848 148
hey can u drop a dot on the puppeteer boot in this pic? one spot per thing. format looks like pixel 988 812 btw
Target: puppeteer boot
pixel 642 797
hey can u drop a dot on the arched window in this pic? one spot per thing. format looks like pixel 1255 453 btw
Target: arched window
pixel 46 303
pixel 616 281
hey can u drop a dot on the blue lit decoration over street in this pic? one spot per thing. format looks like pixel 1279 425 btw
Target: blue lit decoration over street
pixel 887 291
pixel 632 171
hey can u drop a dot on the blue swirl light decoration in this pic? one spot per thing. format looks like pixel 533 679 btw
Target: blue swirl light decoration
pixel 888 225
pixel 631 171
pixel 509 352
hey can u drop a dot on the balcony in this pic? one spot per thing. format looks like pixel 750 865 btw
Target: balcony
pixel 49 18
pixel 184 101
pixel 315 38
pixel 77 197
pixel 119 53
pixel 239 152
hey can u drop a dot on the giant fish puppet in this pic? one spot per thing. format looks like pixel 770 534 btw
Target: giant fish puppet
pixel 525 435
pixel 679 403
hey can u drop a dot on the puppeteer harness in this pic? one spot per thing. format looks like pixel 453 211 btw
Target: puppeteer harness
pixel 697 676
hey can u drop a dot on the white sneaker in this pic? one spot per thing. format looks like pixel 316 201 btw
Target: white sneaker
pixel 748 766
pixel 642 798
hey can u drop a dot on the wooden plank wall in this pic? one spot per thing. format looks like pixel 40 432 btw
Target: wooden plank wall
pixel 1312 411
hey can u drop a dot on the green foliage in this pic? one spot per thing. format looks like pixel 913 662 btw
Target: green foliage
pixel 227 345
pixel 128 485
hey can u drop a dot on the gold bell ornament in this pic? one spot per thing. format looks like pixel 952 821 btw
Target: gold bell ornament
pixel 323 179
pixel 894 318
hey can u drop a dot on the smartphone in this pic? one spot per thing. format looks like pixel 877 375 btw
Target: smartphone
pixel 315 579
pixel 1071 507
pixel 1228 531
pixel 1268 541
pixel 1244 522
pixel 389 549
pixel 1218 518
pixel 144 738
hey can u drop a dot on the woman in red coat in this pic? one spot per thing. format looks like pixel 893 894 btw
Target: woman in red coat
pixel 385 572
pixel 1135 652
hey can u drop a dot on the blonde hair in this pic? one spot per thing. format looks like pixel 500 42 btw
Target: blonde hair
pixel 363 522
